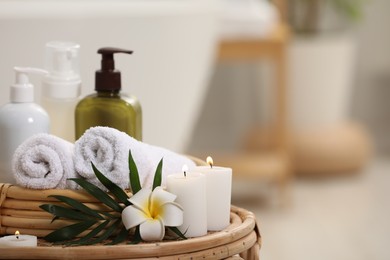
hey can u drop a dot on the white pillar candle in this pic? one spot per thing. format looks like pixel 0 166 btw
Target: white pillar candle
pixel 219 191
pixel 190 189
pixel 18 241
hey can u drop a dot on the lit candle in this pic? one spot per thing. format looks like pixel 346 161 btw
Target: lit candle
pixel 219 191
pixel 190 189
pixel 18 240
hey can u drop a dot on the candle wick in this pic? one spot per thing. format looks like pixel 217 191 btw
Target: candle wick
pixel 17 236
pixel 185 174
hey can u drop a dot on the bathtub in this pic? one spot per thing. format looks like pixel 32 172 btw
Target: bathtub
pixel 173 42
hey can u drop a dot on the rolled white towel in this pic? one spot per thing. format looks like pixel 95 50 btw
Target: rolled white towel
pixel 44 161
pixel 108 149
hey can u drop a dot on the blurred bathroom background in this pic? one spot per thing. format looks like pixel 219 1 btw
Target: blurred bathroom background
pixel 302 115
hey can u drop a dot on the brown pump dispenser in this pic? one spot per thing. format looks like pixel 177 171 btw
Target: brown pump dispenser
pixel 107 78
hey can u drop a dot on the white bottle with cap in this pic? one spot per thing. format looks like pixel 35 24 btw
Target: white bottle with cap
pixel 19 120
pixel 61 87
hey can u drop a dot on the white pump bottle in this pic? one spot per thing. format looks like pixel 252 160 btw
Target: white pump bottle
pixel 61 87
pixel 19 120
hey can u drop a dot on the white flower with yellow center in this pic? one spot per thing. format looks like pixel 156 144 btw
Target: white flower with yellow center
pixel 152 210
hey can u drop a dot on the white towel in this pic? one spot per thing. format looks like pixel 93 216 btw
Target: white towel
pixel 44 161
pixel 108 149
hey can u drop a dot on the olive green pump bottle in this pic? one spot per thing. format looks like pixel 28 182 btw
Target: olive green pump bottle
pixel 109 107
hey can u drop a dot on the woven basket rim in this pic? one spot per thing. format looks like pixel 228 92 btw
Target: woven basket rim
pixel 240 235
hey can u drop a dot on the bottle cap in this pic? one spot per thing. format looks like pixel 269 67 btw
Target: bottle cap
pixel 107 78
pixel 23 91
pixel 62 63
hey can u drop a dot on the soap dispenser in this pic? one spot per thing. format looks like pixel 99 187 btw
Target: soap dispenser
pixel 108 106
pixel 19 119
pixel 61 87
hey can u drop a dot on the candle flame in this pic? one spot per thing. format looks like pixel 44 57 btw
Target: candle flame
pixel 17 233
pixel 185 170
pixel 210 161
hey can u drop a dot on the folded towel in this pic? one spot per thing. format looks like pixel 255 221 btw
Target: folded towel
pixel 44 161
pixel 108 149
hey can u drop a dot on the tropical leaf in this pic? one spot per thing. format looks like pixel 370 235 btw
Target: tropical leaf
pixel 109 215
pixel 69 232
pixel 90 235
pixel 98 194
pixel 77 205
pixel 120 237
pixel 135 184
pixel 177 232
pixel 54 219
pixel 158 175
pixel 108 232
pixel 112 187
pixel 62 212
pixel 137 237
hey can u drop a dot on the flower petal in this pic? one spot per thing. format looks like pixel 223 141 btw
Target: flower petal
pixel 172 214
pixel 160 196
pixel 152 230
pixel 132 217
pixel 141 199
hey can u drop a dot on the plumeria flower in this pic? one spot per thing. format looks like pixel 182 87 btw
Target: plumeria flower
pixel 152 210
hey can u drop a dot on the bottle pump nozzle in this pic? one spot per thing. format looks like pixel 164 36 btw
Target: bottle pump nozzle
pixel 62 62
pixel 107 78
pixel 23 90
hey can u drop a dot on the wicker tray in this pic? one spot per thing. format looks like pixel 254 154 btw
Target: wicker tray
pixel 241 238
pixel 19 209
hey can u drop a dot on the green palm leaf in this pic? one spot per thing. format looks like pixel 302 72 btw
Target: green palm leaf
pixel 77 205
pixel 158 175
pixel 137 237
pixel 98 194
pixel 177 232
pixel 108 232
pixel 94 232
pixel 69 232
pixel 112 187
pixel 133 174
pixel 62 212
pixel 120 237
pixel 108 215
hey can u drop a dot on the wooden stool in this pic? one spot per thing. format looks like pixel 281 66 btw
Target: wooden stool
pixel 274 165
